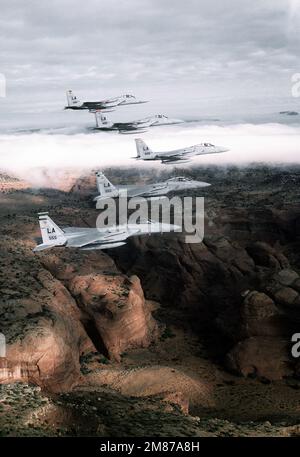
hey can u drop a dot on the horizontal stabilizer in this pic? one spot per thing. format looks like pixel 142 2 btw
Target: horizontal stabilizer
pixel 42 247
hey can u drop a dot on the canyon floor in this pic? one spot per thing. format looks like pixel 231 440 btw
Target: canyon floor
pixel 156 338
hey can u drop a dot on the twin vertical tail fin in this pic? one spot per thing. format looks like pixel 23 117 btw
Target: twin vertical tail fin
pixel 105 187
pixel 52 235
pixel 143 151
pixel 102 120
pixel 72 100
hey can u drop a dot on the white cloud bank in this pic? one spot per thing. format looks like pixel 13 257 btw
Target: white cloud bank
pixel 272 143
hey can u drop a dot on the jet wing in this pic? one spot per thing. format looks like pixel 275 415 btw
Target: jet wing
pixel 83 240
pixel 142 190
pixel 110 102
pixel 131 131
pixel 103 105
pixel 175 160
pixel 103 246
pixel 181 154
pixel 75 229
pixel 143 123
pixel 133 126
pixel 97 237
pixel 92 105
pixel 154 190
pixel 175 156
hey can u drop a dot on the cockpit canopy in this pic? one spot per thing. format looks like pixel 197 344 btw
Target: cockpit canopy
pixel 161 116
pixel 128 96
pixel 207 145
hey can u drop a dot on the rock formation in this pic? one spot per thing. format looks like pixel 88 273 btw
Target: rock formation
pixel 50 321
pixel 241 292
pixel 112 305
pixel 10 183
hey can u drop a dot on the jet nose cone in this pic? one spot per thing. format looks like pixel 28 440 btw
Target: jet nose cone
pixel 176 228
pixel 170 227
pixel 204 184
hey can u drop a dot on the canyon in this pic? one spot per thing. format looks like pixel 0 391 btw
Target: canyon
pixel 198 334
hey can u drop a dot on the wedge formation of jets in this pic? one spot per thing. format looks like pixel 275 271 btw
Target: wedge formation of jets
pixel 115 236
pixel 93 238
pixel 160 189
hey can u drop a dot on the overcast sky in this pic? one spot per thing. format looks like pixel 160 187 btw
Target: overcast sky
pixel 193 59
pixel 172 48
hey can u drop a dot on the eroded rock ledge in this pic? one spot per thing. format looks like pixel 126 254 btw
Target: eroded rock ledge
pixel 56 307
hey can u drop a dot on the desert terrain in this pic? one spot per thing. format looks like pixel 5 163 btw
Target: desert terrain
pixel 158 337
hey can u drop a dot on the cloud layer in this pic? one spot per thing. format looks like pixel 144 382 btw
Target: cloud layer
pixel 23 154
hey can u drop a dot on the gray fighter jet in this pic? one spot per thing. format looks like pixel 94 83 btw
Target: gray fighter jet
pixel 160 189
pixel 177 156
pixel 93 238
pixel 105 124
pixel 106 105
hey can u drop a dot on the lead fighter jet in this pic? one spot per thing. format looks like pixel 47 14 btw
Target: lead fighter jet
pixel 108 190
pixel 177 156
pixel 75 104
pixel 103 123
pixel 93 238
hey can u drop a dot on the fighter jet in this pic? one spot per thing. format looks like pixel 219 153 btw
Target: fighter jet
pixel 103 123
pixel 177 156
pixel 93 238
pixel 106 105
pixel 160 189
